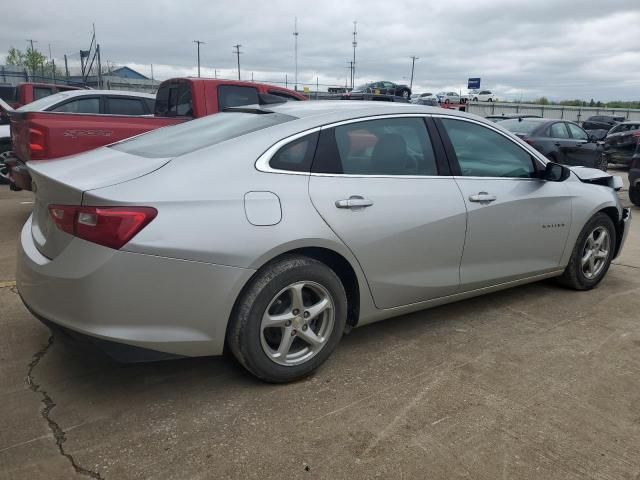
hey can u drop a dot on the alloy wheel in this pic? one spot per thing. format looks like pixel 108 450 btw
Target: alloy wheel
pixel 297 323
pixel 595 253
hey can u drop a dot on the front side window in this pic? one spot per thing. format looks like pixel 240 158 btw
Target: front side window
pixel 558 130
pixel 482 152
pixel 236 96
pixel 577 132
pixel 394 146
pixel 81 105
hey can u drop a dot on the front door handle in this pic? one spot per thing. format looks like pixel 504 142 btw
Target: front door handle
pixel 354 201
pixel 557 144
pixel 482 197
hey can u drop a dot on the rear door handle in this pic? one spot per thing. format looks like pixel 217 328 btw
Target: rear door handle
pixel 354 201
pixel 557 144
pixel 482 197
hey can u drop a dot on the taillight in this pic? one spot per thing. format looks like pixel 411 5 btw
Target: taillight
pixel 37 147
pixel 111 227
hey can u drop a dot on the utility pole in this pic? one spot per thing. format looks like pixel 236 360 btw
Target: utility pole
pixel 355 44
pixel 99 66
pixel 198 42
pixel 53 64
pixel 350 67
pixel 413 64
pixel 152 72
pixel 238 53
pixel 295 37
pixel 66 67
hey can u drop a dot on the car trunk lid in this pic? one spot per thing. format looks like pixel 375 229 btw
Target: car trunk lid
pixel 63 182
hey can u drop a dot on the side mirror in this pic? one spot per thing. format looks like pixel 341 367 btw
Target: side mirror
pixel 554 172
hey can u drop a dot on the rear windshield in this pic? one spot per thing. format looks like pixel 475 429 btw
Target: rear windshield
pixel 196 134
pixel 520 126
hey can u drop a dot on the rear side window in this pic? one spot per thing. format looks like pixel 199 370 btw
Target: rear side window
pixel 389 147
pixel 558 130
pixel 236 96
pixel 187 137
pixel 41 92
pixel 8 93
pixel 482 152
pixel 297 155
pixel 174 100
pixel 125 106
pixel 81 105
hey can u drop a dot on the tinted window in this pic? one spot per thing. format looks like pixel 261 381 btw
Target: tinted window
pixel 395 146
pixel 174 100
pixel 285 95
pixel 234 96
pixel 297 155
pixel 81 105
pixel 190 136
pixel 126 106
pixel 519 126
pixel 8 93
pixel 558 130
pixel 41 92
pixel 482 152
pixel 577 132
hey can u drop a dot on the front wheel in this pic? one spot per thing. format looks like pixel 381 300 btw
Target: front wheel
pixel 592 254
pixel 405 94
pixel 288 320
pixel 634 195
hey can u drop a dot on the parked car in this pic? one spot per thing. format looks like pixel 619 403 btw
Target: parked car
pixel 66 128
pixel 448 97
pixel 621 142
pixel 18 95
pixel 484 96
pixel 558 140
pixel 384 88
pixel 417 96
pixel 602 122
pixel 429 101
pixel 80 127
pixel 509 116
pixel 634 177
pixel 148 249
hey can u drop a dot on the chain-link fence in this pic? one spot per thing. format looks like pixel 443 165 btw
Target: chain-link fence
pixel 574 114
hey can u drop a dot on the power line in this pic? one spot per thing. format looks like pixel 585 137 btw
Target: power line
pixel 198 42
pixel 238 53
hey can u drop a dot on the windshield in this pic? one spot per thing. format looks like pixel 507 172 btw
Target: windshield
pixel 520 126
pixel 45 102
pixel 196 134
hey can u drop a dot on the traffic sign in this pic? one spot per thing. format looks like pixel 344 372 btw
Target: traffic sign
pixel 473 84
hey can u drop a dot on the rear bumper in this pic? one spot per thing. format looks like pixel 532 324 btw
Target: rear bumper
pixel 162 304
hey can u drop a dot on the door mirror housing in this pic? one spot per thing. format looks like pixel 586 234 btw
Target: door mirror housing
pixel 554 172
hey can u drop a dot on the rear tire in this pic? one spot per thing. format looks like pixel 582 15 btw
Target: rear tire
pixel 5 152
pixel 592 254
pixel 275 340
pixel 634 195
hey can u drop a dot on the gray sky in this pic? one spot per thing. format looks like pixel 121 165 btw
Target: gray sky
pixel 527 48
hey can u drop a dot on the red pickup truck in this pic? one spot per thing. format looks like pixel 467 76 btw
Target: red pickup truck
pixel 48 135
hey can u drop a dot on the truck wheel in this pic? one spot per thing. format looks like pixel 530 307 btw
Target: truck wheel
pixel 5 152
pixel 288 320
pixel 592 254
pixel 634 195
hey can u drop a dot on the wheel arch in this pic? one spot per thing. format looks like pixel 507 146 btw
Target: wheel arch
pixel 614 215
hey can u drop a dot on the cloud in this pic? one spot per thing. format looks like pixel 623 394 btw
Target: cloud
pixel 557 49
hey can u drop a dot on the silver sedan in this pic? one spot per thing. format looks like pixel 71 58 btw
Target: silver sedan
pixel 272 230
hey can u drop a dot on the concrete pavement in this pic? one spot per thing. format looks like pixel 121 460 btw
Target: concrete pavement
pixel 533 382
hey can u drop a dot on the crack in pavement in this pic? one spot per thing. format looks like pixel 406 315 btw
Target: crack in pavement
pixel 49 404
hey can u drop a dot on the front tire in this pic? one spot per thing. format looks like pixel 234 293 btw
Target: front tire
pixel 288 320
pixel 592 254
pixel 634 195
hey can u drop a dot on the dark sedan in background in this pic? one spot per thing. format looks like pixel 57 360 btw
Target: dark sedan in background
pixel 384 88
pixel 560 141
pixel 621 142
pixel 602 122
pixel 634 178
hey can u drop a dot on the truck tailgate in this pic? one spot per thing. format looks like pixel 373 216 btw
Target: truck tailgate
pixel 47 135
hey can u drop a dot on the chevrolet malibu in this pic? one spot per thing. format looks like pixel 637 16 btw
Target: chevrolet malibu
pixel 272 230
